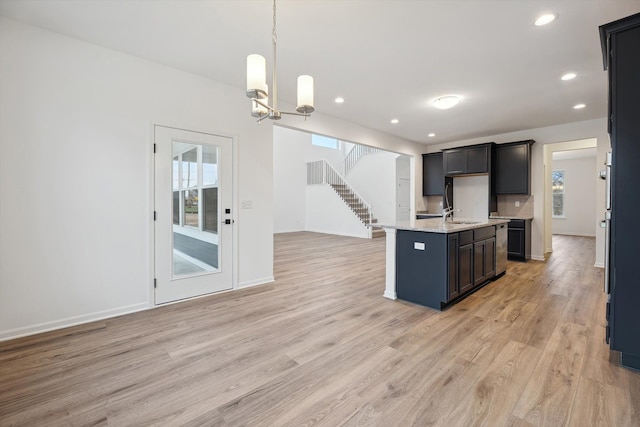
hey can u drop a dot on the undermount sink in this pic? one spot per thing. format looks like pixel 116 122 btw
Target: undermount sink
pixel 464 222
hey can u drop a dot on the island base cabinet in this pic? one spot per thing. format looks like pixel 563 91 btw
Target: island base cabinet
pixel 422 267
pixel 484 261
pixel 434 269
pixel 465 260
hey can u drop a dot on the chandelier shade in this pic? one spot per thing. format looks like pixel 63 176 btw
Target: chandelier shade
pixel 256 76
pixel 305 94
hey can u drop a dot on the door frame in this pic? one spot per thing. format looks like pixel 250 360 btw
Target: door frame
pixel 235 205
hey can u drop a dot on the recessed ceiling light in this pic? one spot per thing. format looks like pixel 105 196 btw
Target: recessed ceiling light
pixel 579 106
pixel 339 100
pixel 569 76
pixel 545 19
pixel 395 121
pixel 431 135
pixel 447 101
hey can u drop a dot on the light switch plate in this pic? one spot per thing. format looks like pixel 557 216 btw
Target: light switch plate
pixel 517 203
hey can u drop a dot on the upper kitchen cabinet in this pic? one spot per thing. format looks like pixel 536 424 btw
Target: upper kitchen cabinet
pixel 513 167
pixel 467 160
pixel 432 175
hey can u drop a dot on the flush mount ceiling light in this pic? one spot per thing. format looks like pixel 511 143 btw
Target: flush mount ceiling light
pixel 339 100
pixel 545 19
pixel 395 121
pixel 579 106
pixel 431 135
pixel 447 101
pixel 257 88
pixel 568 76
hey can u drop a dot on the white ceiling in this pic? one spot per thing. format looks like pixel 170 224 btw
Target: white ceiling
pixel 387 58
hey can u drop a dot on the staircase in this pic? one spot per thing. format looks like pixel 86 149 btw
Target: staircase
pixel 321 172
pixel 362 211
pixel 355 154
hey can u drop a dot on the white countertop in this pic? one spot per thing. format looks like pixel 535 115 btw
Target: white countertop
pixel 436 225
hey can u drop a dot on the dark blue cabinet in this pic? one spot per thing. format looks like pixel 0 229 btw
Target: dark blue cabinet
pixel 621 51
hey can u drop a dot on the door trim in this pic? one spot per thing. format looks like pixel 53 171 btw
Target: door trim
pixel 151 206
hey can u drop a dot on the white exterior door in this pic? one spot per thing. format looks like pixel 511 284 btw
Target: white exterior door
pixel 193 226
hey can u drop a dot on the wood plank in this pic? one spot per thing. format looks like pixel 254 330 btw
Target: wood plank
pixel 553 381
pixel 490 401
pixel 321 346
pixel 599 404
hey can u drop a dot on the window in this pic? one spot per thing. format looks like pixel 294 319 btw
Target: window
pixel 195 186
pixel 557 186
pixel 324 141
pixel 190 169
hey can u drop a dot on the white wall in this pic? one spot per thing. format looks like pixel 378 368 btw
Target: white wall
pixel 327 213
pixel 579 199
pixel 596 128
pixel 291 151
pixel 76 176
pixel 374 178
pixel 289 179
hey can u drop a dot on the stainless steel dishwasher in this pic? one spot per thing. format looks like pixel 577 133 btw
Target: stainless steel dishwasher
pixel 501 248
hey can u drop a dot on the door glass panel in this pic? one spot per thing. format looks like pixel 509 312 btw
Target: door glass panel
pixel 190 168
pixel 176 172
pixel 209 165
pixel 195 209
pixel 210 205
pixel 190 208
pixel 176 208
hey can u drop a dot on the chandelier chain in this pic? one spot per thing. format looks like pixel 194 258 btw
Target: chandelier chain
pixel 275 37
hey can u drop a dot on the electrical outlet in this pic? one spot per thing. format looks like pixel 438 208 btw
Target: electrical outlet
pixel 517 203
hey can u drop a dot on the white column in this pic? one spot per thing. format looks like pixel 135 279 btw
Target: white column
pixel 390 276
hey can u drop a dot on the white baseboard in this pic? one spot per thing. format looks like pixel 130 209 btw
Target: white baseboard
pixel 360 236
pixel 288 231
pixel 599 265
pixel 256 282
pixel 537 258
pixel 71 321
pixel 569 233
pixel 390 295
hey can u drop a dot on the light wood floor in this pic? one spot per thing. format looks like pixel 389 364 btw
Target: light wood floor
pixel 321 346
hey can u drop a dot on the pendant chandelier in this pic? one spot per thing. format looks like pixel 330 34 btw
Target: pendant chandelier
pixel 258 90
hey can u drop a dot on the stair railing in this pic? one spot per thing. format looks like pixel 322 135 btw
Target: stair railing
pixel 356 152
pixel 321 172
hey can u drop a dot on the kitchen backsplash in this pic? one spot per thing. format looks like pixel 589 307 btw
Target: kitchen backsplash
pixel 507 206
pixel 432 203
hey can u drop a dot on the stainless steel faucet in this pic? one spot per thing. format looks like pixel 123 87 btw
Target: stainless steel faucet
pixel 448 212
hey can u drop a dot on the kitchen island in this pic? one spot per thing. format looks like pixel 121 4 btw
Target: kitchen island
pixel 436 263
